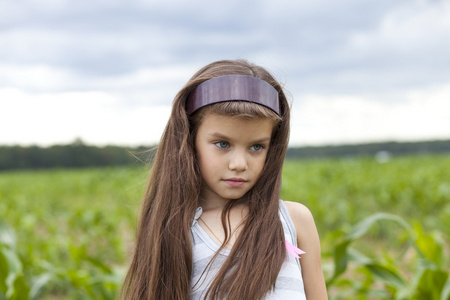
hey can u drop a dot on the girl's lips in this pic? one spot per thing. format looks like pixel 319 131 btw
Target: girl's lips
pixel 235 182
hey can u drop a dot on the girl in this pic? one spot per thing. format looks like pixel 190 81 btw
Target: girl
pixel 212 224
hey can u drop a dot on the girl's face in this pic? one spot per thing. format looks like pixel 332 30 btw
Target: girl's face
pixel 232 153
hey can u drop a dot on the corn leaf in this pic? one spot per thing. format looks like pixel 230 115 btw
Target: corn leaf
pixel 387 274
pixel 431 285
pixel 7 236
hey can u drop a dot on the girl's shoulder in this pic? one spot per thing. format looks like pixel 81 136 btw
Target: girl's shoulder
pixel 304 224
pixel 301 216
pixel 308 241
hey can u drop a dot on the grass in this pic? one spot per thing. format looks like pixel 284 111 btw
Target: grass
pixel 341 192
pixel 77 225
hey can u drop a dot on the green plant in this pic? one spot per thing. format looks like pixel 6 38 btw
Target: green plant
pixel 72 230
pixel 97 281
pixel 429 281
pixel 13 284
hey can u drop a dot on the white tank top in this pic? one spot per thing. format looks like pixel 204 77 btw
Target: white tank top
pixel 289 284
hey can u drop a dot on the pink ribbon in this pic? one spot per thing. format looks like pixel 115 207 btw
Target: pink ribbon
pixel 293 251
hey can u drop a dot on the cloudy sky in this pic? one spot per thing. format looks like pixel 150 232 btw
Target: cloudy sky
pixel 106 71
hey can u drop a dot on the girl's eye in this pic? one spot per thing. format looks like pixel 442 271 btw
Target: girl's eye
pixel 222 144
pixel 257 147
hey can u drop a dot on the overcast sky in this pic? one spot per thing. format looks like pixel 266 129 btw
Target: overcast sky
pixel 106 71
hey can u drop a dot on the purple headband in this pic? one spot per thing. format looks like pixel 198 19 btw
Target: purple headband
pixel 233 88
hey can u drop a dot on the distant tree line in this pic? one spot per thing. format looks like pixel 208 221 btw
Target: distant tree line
pixel 74 155
pixel 371 149
pixel 79 154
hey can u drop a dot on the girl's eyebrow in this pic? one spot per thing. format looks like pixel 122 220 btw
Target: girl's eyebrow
pixel 221 136
pixel 263 140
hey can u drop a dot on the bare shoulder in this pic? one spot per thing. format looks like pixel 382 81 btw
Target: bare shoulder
pixel 303 220
pixel 308 241
pixel 301 216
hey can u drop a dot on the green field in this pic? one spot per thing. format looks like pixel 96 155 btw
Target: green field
pixel 66 234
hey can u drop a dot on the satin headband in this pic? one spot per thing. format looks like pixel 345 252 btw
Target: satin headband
pixel 233 88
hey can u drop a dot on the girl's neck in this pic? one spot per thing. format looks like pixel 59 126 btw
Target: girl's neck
pixel 213 205
pixel 211 221
pixel 211 202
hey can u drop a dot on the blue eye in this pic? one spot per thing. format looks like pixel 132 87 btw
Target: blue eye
pixel 257 147
pixel 222 144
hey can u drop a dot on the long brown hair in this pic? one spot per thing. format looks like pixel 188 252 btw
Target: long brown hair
pixel 162 263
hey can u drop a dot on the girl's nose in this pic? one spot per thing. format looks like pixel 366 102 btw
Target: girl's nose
pixel 238 162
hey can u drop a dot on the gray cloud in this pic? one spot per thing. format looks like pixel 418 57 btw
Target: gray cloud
pixel 92 34
pixel 309 39
pixel 143 51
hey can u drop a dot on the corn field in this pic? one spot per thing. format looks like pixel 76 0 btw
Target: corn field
pixel 384 227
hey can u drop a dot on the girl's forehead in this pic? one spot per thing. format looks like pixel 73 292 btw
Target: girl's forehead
pixel 220 119
pixel 235 130
pixel 234 127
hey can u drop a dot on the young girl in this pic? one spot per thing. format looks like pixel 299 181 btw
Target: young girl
pixel 212 224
